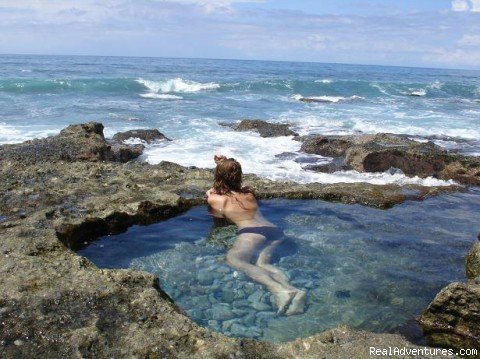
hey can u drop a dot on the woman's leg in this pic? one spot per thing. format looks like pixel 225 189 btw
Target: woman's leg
pixel 297 305
pixel 239 257
pixel 264 259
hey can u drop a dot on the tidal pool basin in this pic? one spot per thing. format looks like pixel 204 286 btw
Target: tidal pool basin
pixel 366 268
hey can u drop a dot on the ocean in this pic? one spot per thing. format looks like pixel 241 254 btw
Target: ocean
pixel 187 99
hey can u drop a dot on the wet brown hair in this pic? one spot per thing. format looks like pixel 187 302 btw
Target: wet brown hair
pixel 228 177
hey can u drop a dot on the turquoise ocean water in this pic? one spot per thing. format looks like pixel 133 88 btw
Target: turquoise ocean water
pixel 187 98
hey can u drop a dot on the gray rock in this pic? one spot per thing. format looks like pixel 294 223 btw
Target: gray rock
pixel 205 277
pixel 453 318
pixel 221 311
pixel 148 136
pixel 265 129
pixel 473 260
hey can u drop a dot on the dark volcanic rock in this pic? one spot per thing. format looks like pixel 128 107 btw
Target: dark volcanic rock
pixel 453 318
pixel 380 152
pixel 328 146
pixel 124 153
pixel 84 142
pixel 75 143
pixel 265 129
pixel 473 261
pixel 148 136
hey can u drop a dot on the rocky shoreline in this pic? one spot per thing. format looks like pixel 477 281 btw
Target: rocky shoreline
pixel 62 192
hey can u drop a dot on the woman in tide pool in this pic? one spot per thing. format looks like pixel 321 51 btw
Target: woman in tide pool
pixel 257 238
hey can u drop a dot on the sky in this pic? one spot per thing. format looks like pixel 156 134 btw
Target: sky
pixel 424 33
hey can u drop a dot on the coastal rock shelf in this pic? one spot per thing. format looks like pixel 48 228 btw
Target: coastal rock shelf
pixel 67 190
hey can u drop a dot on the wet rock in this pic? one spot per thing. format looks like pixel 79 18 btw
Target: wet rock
pixel 328 146
pixel 147 136
pixel 473 260
pixel 381 152
pixel 453 318
pixel 84 142
pixel 205 277
pixel 264 128
pixel 124 153
pixel 75 143
pixel 221 311
pixel 240 330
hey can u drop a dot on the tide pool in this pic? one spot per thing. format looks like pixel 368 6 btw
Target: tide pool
pixel 367 268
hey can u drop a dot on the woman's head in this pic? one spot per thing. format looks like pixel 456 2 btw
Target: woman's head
pixel 228 176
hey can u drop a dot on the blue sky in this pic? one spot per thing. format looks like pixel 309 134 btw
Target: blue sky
pixel 428 33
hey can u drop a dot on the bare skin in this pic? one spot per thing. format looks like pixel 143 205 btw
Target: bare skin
pixel 242 209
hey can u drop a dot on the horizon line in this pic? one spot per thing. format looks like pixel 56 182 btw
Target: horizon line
pixel 259 60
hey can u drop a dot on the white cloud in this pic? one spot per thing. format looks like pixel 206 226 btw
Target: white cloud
pixel 470 40
pixel 466 5
pixel 460 5
pixel 475 5
pixel 214 6
pixel 457 57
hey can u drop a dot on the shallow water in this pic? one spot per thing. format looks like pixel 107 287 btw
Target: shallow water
pixel 370 269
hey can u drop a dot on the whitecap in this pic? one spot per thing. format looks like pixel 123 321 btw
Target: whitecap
pixel 419 93
pixel 324 81
pixel 177 85
pixel 436 85
pixel 161 96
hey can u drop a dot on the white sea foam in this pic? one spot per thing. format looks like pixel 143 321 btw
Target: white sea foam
pixel 436 85
pixel 177 85
pixel 258 155
pixel 161 96
pixel 420 93
pixel 324 81
pixel 16 134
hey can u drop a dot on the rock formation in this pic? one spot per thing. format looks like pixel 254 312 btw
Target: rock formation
pixel 265 129
pixel 380 152
pixel 59 193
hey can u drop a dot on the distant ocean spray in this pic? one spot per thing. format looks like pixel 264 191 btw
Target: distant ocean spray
pixel 187 98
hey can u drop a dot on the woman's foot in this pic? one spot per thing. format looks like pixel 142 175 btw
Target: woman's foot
pixel 297 305
pixel 283 299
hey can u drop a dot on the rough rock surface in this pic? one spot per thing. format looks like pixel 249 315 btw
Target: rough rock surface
pixel 84 142
pixel 453 318
pixel 148 136
pixel 265 129
pixel 473 261
pixel 56 304
pixel 380 152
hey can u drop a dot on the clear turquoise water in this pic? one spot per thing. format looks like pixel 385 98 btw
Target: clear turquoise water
pixel 367 268
pixel 187 98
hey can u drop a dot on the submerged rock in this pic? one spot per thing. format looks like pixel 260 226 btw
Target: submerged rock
pixel 264 128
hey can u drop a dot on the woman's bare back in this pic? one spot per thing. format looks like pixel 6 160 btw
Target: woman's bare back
pixel 240 208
